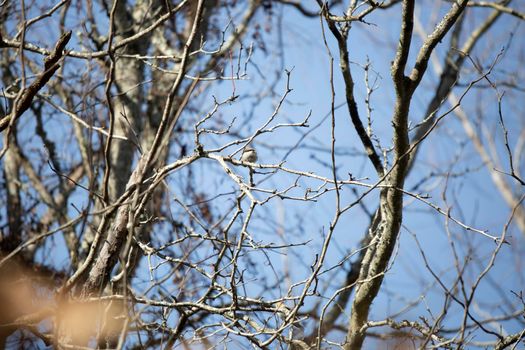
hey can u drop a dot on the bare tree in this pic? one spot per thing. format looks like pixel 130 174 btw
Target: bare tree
pixel 171 181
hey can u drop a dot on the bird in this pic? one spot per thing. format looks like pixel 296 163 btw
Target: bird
pixel 249 155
